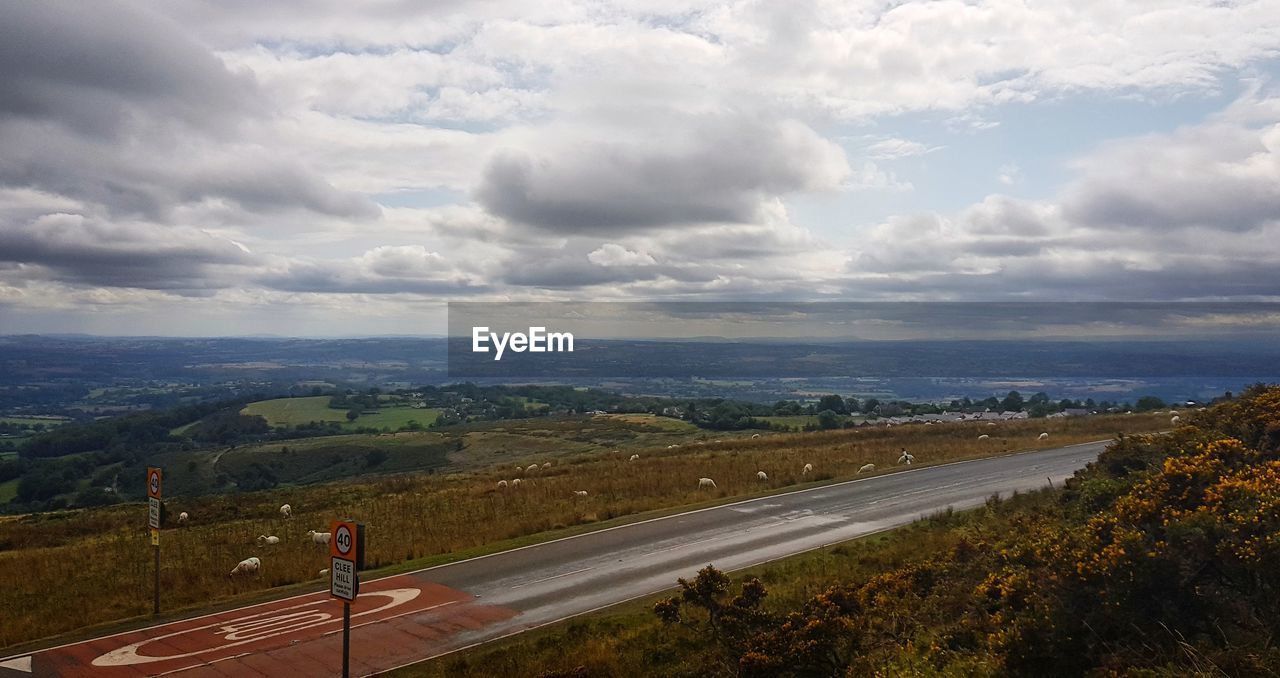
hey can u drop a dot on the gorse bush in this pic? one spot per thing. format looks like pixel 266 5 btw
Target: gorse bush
pixel 1163 558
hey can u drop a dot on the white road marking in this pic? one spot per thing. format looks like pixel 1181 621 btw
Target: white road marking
pixel 557 576
pixel 22 664
pixel 128 654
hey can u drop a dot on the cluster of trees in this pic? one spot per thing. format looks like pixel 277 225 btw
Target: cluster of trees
pixel 1161 559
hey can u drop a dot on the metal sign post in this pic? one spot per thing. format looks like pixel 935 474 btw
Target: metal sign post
pixel 346 546
pixel 154 477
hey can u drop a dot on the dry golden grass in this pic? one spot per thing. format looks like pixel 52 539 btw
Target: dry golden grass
pixel 87 567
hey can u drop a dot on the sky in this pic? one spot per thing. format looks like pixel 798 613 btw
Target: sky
pixel 331 168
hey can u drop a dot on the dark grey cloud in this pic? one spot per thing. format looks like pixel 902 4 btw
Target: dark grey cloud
pixel 698 170
pixel 91 65
pixel 110 103
pixel 86 251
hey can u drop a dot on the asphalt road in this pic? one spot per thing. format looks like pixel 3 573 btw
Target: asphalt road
pixel 409 618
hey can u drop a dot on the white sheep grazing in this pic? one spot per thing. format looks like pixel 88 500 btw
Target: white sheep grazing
pixel 906 458
pixel 286 511
pixel 1042 436
pixel 706 482
pixel 761 475
pixel 264 540
pixel 324 572
pixel 183 517
pixel 991 423
pixel 516 483
pixel 533 468
pixel 1173 412
pixel 319 538
pixel 579 493
pixel 755 435
pixel 546 466
pixel 634 457
pixel 984 437
pixel 867 468
pixel 246 566
pixel 808 468
pixel 1175 419
pixel 502 484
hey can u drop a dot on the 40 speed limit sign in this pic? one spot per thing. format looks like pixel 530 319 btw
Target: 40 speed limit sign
pixel 346 543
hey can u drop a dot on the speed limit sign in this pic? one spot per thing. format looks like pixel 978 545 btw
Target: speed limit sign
pixel 346 544
pixel 343 540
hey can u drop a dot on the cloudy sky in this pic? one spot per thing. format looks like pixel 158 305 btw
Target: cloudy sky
pixel 335 168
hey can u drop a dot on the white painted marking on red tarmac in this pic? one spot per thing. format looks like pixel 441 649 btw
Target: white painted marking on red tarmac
pixel 22 664
pixel 242 631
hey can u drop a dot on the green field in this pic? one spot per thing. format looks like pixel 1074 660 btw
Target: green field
pixel 295 411
pixel 50 423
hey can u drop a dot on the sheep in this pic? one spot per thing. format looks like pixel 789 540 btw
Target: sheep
pixel 755 435
pixel 324 572
pixel 706 482
pixel 808 468
pixel 502 484
pixel 264 540
pixel 634 457
pixel 319 538
pixel 991 423
pixel 1043 436
pixel 761 475
pixel 1173 412
pixel 546 466
pixel 182 518
pixel 867 468
pixel 1174 420
pixel 672 447
pixel 246 566
pixel 579 493
pixel 533 468
pixel 286 511
pixel 984 437
pixel 515 483
pixel 906 458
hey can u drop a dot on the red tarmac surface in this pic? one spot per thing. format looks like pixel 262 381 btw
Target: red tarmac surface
pixel 394 621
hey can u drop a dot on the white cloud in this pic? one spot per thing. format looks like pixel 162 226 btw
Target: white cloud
pixel 894 148
pixel 612 254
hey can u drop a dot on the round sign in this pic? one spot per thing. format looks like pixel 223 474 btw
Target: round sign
pixel 155 482
pixel 344 540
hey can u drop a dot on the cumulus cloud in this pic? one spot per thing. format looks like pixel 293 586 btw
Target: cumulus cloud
pixel 1192 214
pixel 91 67
pixel 300 153
pixel 133 254
pixel 382 270
pixel 693 170
pixel 612 254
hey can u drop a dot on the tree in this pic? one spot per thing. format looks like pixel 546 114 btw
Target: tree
pixel 869 405
pixel 1012 402
pixel 828 419
pixel 832 402
pixel 352 415
pixel 1149 403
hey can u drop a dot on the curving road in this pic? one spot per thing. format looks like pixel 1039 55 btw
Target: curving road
pixel 408 618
